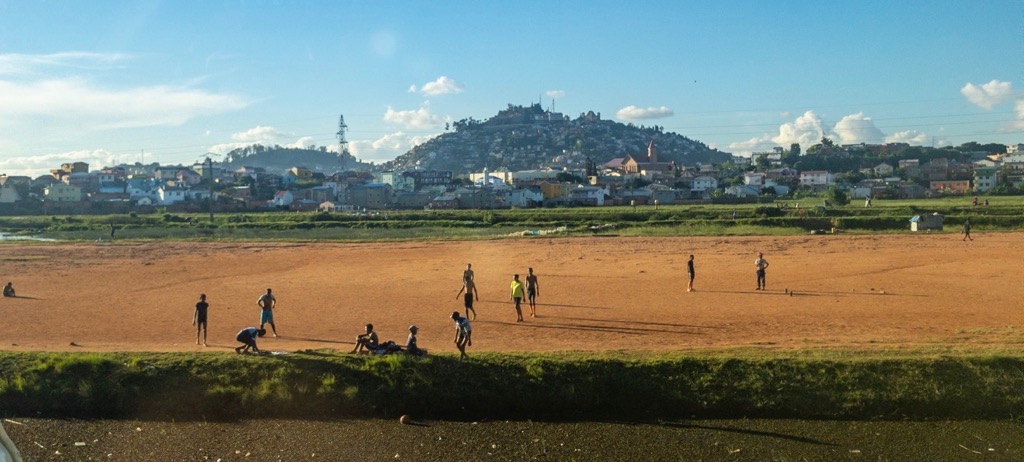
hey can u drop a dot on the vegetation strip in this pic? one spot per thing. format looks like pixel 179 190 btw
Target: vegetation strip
pixel 599 386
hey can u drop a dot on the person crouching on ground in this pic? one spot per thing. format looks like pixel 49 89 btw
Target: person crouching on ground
pixel 248 338
pixel 9 290
pixel 367 341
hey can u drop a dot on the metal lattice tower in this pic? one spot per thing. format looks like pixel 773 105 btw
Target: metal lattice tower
pixel 342 129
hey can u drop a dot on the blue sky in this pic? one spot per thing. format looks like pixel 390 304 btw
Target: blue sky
pixel 120 81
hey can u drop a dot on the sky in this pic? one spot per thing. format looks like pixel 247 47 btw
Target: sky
pixel 112 81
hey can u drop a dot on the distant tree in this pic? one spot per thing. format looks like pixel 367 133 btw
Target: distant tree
pixel 791 156
pixel 762 163
pixel 836 196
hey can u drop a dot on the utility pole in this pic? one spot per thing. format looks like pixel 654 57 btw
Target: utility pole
pixel 209 197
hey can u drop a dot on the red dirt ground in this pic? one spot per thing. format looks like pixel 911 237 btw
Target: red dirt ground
pixel 597 293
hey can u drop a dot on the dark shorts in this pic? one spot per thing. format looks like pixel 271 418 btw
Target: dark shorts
pixel 266 316
pixel 201 320
pixel 244 338
pixel 468 300
pixel 531 292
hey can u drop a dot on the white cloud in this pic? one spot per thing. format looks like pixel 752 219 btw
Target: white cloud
pixel 267 136
pixel 857 128
pixel 808 129
pixel 555 94
pixel 302 143
pixel 1019 108
pixel 36 165
pixel 387 147
pixel 22 64
pixel 756 144
pixel 442 86
pixel 78 101
pixel 257 134
pixel 636 113
pixel 988 95
pixel 911 137
pixel 418 119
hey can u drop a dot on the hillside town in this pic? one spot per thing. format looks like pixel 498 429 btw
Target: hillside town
pixel 637 179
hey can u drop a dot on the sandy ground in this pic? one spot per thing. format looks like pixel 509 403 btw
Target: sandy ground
pixel 597 293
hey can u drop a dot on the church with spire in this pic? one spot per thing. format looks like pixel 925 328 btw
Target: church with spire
pixel 649 166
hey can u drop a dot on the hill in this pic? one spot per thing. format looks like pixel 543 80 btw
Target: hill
pixel 529 137
pixel 278 159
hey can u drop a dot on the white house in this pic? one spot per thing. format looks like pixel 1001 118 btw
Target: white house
pixel 704 183
pixel 883 169
pixel 985 178
pixel 8 194
pixel 816 178
pixel 170 194
pixel 588 195
pixel 282 199
pixel 526 197
pixel 742 190
pixel 754 179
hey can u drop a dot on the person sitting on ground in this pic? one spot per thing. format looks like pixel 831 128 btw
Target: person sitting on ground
pixel 367 341
pixel 411 346
pixel 9 290
pixel 248 338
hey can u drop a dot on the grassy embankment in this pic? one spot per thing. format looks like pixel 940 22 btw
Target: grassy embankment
pixel 1003 213
pixel 569 386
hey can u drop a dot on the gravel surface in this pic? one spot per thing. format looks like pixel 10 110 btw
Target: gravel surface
pixel 371 440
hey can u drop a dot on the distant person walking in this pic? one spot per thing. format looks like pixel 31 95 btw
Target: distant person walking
pixel 248 338
pixel 761 264
pixel 463 334
pixel 467 299
pixel 517 297
pixel 469 279
pixel 967 230
pixel 690 273
pixel 199 318
pixel 532 291
pixel 267 302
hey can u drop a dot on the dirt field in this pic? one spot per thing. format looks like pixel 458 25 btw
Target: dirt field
pixel 597 293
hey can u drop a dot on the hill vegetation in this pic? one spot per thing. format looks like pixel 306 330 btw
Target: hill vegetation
pixel 529 137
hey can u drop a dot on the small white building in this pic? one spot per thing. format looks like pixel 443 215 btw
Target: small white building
pixel 168 195
pixel 816 178
pixel 282 199
pixel 704 183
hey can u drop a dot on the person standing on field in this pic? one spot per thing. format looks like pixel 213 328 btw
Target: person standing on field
pixel 517 297
pixel 469 287
pixel 469 280
pixel 761 264
pixel 532 291
pixel 199 318
pixel 463 334
pixel 690 273
pixel 967 230
pixel 267 302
